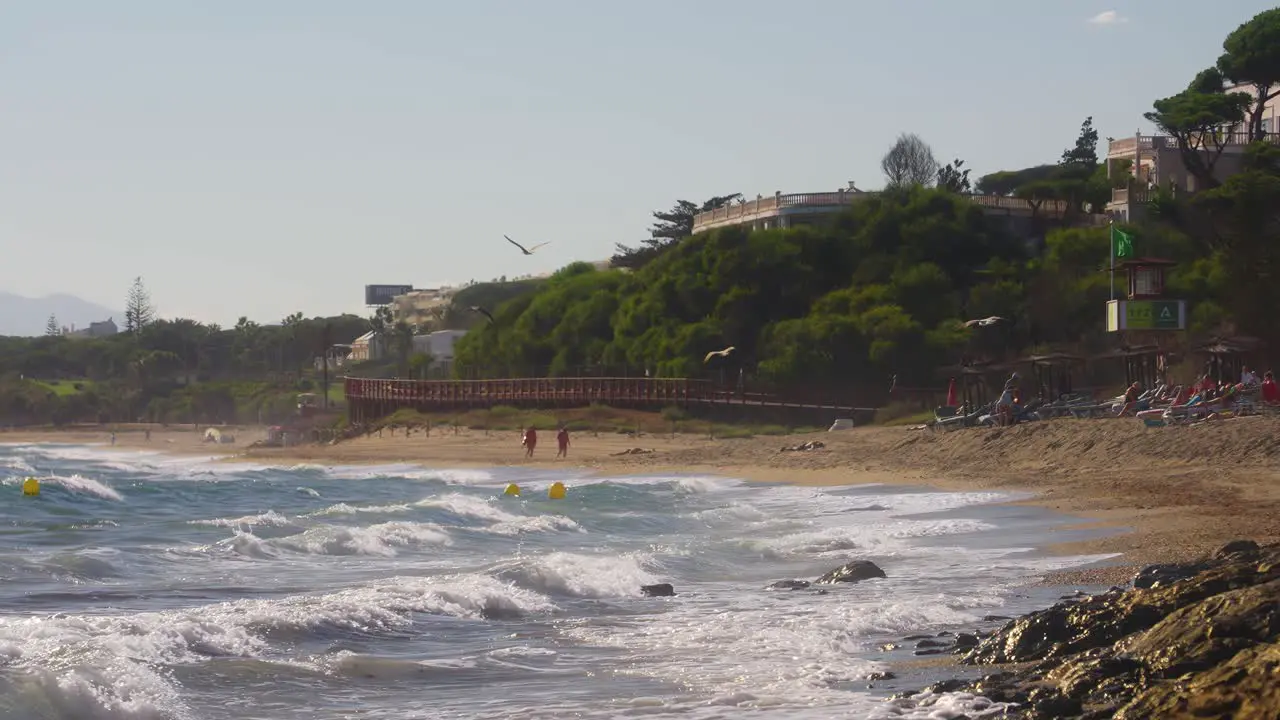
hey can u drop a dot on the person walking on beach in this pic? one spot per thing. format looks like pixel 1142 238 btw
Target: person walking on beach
pixel 562 439
pixel 530 441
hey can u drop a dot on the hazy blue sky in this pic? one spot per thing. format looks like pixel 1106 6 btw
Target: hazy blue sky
pixel 266 156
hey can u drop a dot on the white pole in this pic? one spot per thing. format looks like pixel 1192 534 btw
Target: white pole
pixel 1113 259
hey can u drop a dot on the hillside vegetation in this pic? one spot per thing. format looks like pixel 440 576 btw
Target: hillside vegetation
pixel 887 288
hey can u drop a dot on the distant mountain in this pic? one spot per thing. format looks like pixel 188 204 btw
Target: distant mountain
pixel 28 316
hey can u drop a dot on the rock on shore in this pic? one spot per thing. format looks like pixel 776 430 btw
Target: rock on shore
pixel 1195 641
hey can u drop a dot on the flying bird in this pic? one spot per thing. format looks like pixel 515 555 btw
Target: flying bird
pixel 718 353
pixel 525 250
pixel 987 321
pixel 482 311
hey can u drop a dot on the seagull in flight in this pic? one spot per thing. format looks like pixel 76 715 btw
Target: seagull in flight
pixel 482 311
pixel 987 321
pixel 718 353
pixel 525 250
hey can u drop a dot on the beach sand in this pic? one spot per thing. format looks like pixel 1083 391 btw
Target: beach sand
pixel 1167 494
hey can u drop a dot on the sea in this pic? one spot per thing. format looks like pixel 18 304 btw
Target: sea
pixel 145 586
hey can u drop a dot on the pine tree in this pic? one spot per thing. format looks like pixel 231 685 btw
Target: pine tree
pixel 138 310
pixel 51 328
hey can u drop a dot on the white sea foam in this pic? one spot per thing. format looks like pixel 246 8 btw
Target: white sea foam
pixel 103 666
pixel 468 506
pixel 346 509
pixel 270 518
pixel 580 575
pixel 383 539
pixel 870 537
pixel 535 524
pixel 81 485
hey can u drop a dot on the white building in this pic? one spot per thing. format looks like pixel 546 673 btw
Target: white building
pixel 438 344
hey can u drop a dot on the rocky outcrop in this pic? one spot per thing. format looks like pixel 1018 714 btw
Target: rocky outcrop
pixel 658 590
pixel 1199 640
pixel 851 572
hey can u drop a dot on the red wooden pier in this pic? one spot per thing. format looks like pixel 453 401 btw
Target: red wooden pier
pixel 369 400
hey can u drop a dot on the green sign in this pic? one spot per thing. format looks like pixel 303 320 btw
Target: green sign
pixel 1152 315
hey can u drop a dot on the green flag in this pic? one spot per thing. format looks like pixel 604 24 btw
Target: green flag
pixel 1121 242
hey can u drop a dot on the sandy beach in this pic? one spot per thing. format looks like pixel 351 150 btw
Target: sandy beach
pixel 1167 494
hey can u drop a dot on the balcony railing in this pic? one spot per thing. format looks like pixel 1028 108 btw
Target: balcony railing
pixel 1133 195
pixel 1127 146
pixel 770 206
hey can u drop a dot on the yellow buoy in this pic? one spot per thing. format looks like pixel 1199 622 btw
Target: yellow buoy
pixel 31 487
pixel 556 491
pixel 512 489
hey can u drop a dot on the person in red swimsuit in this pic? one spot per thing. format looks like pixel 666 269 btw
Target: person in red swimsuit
pixel 530 441
pixel 562 439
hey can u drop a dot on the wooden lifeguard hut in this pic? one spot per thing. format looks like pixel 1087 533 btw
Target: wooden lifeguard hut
pixel 1145 321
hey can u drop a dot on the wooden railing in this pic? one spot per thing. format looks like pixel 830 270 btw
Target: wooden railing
pixel 369 399
pixel 769 206
pixel 549 390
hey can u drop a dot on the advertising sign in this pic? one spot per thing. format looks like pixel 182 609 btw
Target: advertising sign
pixel 382 294
pixel 1146 315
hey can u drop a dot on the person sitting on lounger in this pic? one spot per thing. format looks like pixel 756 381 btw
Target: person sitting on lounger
pixel 1007 406
pixel 1248 377
pixel 1131 395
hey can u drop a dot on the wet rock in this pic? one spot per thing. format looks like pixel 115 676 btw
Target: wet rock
pixel 910 638
pixel 877 676
pixel 1199 640
pixel 789 585
pixel 658 590
pixel 887 647
pixel 966 641
pixel 1236 547
pixel 928 651
pixel 929 643
pixel 1166 574
pixel 852 572
pixel 996 618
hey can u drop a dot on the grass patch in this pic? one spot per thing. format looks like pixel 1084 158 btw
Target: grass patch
pixel 903 414
pixel 63 388
pixel 595 419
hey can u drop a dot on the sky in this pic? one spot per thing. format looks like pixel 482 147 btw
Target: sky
pixel 257 158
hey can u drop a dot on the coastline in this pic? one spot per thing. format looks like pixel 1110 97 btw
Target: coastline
pixel 1153 495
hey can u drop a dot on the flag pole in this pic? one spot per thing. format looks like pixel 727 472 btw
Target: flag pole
pixel 1113 259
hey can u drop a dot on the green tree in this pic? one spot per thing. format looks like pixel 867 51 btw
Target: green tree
pixel 51 328
pixel 1197 119
pixel 138 310
pixel 1252 56
pixel 671 227
pixel 954 177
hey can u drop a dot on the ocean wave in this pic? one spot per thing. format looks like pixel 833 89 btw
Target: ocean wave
pixel 270 518
pixel 105 666
pixel 468 506
pixel 864 537
pixel 346 509
pixel 89 564
pixel 80 485
pixel 383 539
pixel 535 524
pixel 578 575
